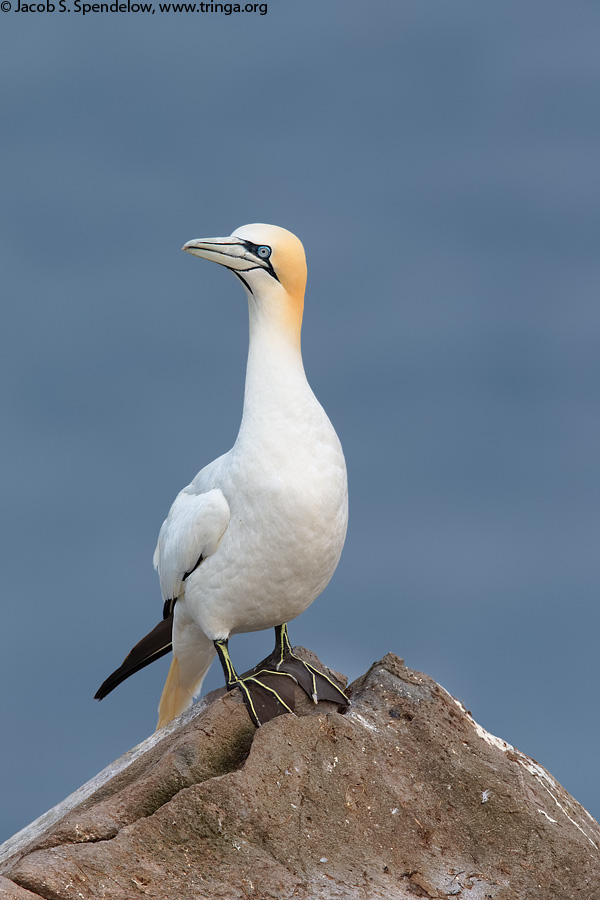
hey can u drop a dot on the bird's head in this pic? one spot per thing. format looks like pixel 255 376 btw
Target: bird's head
pixel 269 261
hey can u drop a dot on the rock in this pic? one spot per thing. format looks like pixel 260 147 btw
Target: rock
pixel 403 796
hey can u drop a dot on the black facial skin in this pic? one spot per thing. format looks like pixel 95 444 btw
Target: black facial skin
pixel 254 249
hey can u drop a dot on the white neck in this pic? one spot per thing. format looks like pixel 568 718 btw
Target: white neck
pixel 276 384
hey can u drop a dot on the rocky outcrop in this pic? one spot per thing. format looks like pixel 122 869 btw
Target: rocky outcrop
pixel 402 796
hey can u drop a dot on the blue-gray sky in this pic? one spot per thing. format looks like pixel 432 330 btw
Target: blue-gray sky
pixel 440 162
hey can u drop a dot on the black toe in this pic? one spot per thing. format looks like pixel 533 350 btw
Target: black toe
pixel 316 684
pixel 267 694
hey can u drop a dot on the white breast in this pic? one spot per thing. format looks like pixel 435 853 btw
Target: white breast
pixel 285 483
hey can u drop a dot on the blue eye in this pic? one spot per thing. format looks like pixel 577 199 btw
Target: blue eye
pixel 264 252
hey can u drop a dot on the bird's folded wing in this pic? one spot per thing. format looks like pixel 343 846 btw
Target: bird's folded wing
pixel 191 532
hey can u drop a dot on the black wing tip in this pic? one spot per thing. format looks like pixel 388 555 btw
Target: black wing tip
pixel 124 671
pixel 104 689
pixel 151 647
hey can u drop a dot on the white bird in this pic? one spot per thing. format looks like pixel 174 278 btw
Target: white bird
pixel 258 533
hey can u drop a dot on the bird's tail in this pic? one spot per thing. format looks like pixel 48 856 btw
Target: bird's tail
pixel 193 653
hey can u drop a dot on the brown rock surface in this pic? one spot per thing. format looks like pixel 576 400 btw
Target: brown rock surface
pixel 403 796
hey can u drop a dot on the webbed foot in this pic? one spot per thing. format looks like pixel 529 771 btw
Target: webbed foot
pixel 266 692
pixel 313 681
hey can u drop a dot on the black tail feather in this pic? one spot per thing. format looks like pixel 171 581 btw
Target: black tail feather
pixel 154 645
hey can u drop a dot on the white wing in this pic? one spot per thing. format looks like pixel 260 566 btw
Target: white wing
pixel 191 532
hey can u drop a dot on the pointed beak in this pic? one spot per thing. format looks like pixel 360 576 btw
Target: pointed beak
pixel 229 251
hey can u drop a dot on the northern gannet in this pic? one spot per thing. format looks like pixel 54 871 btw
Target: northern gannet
pixel 256 536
